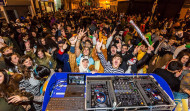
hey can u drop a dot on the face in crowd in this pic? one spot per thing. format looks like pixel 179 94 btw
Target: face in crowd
pixel 85 63
pixel 124 49
pixel 8 50
pixel 15 59
pixel 184 59
pixel 143 48
pixel 43 41
pixel 171 41
pixel 113 50
pixel 87 44
pixel 86 51
pixel 23 30
pixel 28 63
pixel 116 61
pixel 53 31
pixel 40 54
pixel 34 34
pixel 44 29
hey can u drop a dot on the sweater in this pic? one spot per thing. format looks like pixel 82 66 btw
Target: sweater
pixel 4 106
pixel 107 65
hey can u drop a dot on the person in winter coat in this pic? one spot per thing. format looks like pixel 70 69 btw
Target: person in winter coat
pixel 45 59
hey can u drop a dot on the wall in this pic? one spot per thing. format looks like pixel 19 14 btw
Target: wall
pixel 167 8
pixel 18 2
pixel 122 6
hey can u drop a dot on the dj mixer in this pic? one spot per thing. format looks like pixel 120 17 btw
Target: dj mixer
pixel 121 92
pixel 108 93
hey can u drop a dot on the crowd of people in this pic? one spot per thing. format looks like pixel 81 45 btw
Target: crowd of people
pixel 88 41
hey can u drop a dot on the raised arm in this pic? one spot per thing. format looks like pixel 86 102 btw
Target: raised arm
pixel 110 38
pixel 95 36
pixel 73 41
pixel 80 35
pixel 100 54
pixel 146 57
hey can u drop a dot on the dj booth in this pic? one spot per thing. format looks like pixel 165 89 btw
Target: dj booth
pixel 102 91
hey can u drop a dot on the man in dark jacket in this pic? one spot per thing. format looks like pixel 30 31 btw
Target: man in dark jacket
pixel 171 74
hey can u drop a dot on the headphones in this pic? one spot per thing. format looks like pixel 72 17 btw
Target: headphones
pixel 35 72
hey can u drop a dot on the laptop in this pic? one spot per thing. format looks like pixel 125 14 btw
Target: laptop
pixel 75 85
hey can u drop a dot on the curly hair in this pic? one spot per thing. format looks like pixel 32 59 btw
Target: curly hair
pixel 9 87
pixel 23 69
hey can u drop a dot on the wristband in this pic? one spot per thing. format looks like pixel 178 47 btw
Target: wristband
pixel 8 72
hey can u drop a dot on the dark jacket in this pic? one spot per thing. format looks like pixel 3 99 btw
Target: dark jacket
pixel 65 59
pixel 170 78
pixel 138 64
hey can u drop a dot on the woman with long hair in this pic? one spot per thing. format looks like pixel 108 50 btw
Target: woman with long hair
pixel 29 83
pixel 184 58
pixel 11 98
pixel 43 58
pixel 12 61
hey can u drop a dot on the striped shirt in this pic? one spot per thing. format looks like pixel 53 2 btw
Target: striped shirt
pixel 107 66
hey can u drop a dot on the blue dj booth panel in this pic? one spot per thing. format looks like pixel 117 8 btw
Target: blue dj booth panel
pixel 57 85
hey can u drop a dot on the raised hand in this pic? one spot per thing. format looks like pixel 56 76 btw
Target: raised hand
pixel 73 40
pixel 114 32
pixel 136 50
pixel 150 49
pixel 81 34
pixel 98 46
pixel 95 34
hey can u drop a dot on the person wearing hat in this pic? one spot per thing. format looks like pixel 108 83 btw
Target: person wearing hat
pixel 84 64
pixel 63 56
pixel 85 51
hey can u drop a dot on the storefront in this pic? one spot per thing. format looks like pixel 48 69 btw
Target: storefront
pixel 105 4
pixel 13 9
pixel 47 6
pixel 113 5
pixel 75 4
